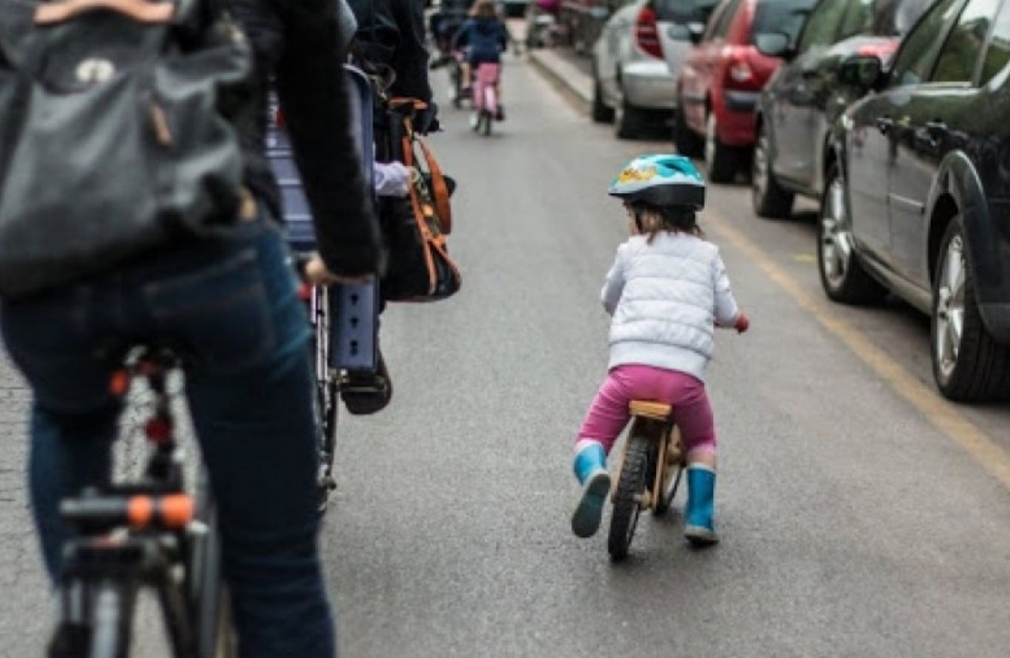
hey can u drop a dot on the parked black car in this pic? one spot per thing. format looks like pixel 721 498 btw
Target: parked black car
pixel 918 202
pixel 800 104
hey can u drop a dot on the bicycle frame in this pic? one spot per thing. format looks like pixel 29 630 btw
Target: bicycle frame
pixel 142 534
pixel 485 98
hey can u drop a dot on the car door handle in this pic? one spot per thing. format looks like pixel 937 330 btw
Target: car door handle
pixel 885 124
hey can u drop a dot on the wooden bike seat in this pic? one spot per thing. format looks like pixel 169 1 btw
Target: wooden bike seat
pixel 650 409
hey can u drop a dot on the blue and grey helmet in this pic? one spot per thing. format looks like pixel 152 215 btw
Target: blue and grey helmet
pixel 661 180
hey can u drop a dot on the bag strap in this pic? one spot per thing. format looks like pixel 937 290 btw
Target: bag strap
pixel 439 190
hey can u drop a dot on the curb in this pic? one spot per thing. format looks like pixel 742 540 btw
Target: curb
pixel 574 84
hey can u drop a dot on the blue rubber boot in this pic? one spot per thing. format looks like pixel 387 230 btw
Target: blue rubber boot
pixel 698 526
pixel 591 470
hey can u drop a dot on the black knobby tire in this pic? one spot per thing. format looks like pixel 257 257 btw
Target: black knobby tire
pixel 629 121
pixel 721 161
pixel 599 111
pixel 112 606
pixel 456 78
pixel 488 120
pixel 856 286
pixel 770 200
pixel 981 371
pixel 631 485
pixel 684 140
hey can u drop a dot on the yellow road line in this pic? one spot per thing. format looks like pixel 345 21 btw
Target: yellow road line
pixel 940 413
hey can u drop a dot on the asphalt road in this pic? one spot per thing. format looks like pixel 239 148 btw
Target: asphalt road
pixel 861 515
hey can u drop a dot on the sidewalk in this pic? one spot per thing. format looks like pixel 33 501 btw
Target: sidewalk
pixel 569 72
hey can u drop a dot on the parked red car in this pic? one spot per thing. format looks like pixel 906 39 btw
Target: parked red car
pixel 721 80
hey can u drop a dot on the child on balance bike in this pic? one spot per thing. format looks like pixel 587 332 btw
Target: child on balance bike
pixel 666 291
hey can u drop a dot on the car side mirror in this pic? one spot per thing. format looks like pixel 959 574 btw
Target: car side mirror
pixel 695 32
pixel 773 44
pixel 863 71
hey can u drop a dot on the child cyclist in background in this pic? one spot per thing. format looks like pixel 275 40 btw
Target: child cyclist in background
pixel 484 37
pixel 666 291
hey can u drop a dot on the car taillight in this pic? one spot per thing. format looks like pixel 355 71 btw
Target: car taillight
pixel 647 32
pixel 740 72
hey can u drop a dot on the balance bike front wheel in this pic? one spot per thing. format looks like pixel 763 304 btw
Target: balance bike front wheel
pixel 631 486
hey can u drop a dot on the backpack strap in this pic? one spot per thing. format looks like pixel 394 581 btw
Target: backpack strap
pixel 52 13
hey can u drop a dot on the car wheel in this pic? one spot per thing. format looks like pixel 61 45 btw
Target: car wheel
pixel 629 120
pixel 599 111
pixel 769 199
pixel 686 142
pixel 720 160
pixel 842 276
pixel 968 364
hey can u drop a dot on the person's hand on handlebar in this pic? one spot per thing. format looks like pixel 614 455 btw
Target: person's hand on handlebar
pixel 315 272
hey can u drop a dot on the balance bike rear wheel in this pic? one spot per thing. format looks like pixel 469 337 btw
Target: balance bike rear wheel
pixel 670 484
pixel 630 487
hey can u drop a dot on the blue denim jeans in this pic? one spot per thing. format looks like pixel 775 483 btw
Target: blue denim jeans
pixel 228 307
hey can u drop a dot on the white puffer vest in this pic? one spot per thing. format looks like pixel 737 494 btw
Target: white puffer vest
pixel 666 298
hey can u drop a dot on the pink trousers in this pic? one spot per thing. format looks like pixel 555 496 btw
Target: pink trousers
pixel 692 411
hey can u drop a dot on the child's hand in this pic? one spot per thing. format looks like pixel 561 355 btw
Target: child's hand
pixel 742 323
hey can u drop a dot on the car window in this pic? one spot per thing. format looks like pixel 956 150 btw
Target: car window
pixel 721 21
pixel 915 59
pixel 899 17
pixel 858 18
pixel 998 54
pixel 684 11
pixel 961 52
pixel 822 25
pixel 785 16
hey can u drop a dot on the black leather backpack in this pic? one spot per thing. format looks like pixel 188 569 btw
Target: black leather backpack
pixel 116 132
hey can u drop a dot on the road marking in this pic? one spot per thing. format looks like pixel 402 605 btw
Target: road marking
pixel 940 413
pixel 805 258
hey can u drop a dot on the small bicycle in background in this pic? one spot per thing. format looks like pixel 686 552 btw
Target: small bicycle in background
pixel 651 468
pixel 485 98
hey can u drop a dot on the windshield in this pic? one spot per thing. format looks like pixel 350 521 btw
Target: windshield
pixel 684 11
pixel 782 16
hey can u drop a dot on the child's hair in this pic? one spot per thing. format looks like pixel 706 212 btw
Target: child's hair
pixel 651 219
pixel 484 9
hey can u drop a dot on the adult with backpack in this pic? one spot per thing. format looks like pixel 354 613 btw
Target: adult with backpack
pixel 139 206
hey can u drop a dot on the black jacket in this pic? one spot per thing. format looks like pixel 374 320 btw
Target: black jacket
pixel 296 43
pixel 391 32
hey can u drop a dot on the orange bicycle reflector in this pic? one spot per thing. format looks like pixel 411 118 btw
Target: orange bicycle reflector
pixel 177 510
pixel 140 511
pixel 119 383
pixel 172 511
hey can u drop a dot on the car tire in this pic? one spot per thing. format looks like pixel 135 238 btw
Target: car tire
pixel 599 111
pixel 842 275
pixel 968 364
pixel 684 140
pixel 721 161
pixel 769 198
pixel 628 121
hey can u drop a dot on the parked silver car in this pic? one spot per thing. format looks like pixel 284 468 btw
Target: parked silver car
pixel 636 58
